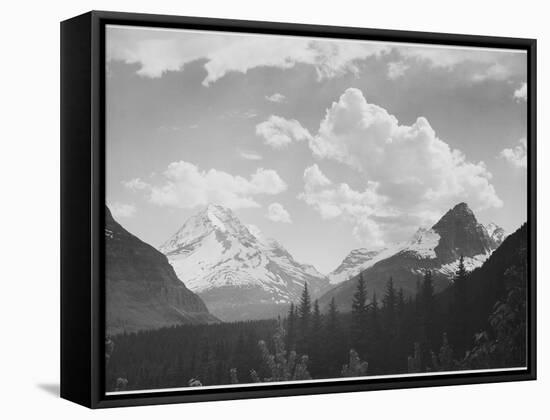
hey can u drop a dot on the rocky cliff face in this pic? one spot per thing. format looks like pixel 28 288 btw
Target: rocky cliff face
pixel 461 234
pixel 142 289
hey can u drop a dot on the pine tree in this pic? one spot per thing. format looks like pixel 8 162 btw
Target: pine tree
pixel 305 309
pixel 459 309
pixel 359 302
pixel 315 350
pixel 400 306
pixel 291 328
pixel 332 339
pixel 359 316
pixel 427 321
pixel 316 322
pixel 374 307
pixel 389 307
pixel 461 272
pixel 332 321
pixel 427 293
pixel 304 314
pixel 388 333
pixel 375 351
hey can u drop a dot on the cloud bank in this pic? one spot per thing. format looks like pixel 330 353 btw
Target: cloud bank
pixel 411 176
pixel 185 186
pixel 159 51
pixel 516 156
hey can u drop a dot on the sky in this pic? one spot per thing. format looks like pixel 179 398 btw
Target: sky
pixel 324 145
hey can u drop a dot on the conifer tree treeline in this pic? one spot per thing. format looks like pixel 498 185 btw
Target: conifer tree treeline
pixel 478 322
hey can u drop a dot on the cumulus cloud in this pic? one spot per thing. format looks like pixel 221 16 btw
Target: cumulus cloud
pixel 184 185
pixel 276 97
pixel 396 69
pixel 122 210
pixel 250 155
pixel 517 156
pixel 332 201
pixel 136 184
pixel 520 94
pixel 277 213
pixel 411 175
pixel 313 178
pixel 278 132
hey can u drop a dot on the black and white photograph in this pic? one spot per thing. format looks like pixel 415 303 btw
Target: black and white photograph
pixel 290 209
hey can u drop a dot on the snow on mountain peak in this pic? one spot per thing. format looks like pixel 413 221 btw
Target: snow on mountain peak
pixel 355 262
pixel 213 218
pixel 213 249
pixel 423 243
pixel 456 233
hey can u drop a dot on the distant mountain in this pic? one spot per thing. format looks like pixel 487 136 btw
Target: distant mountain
pixel 236 271
pixel 355 262
pixel 456 234
pixel 142 289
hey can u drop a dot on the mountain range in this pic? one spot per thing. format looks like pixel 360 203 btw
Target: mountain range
pixel 217 268
pixel 456 234
pixel 142 289
pixel 242 275
pixel 237 272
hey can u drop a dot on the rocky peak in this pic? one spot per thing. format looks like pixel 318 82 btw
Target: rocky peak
pixel 461 235
pixel 212 219
pixel 496 233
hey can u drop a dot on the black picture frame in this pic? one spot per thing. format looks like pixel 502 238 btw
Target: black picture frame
pixel 82 208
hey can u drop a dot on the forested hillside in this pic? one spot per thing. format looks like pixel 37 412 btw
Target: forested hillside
pixel 478 322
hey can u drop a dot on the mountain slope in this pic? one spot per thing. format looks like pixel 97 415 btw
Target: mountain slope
pixel 355 262
pixel 142 290
pixel 456 234
pixel 495 295
pixel 239 274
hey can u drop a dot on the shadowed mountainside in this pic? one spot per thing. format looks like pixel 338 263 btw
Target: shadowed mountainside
pixel 142 289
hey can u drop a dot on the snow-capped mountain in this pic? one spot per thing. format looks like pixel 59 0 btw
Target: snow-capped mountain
pixel 438 249
pixel 237 272
pixel 355 262
pixel 421 244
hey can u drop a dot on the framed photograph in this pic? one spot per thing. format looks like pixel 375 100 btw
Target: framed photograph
pixel 255 209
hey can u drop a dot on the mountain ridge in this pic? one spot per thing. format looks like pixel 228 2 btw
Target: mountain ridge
pixel 142 289
pixel 239 273
pixel 457 233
